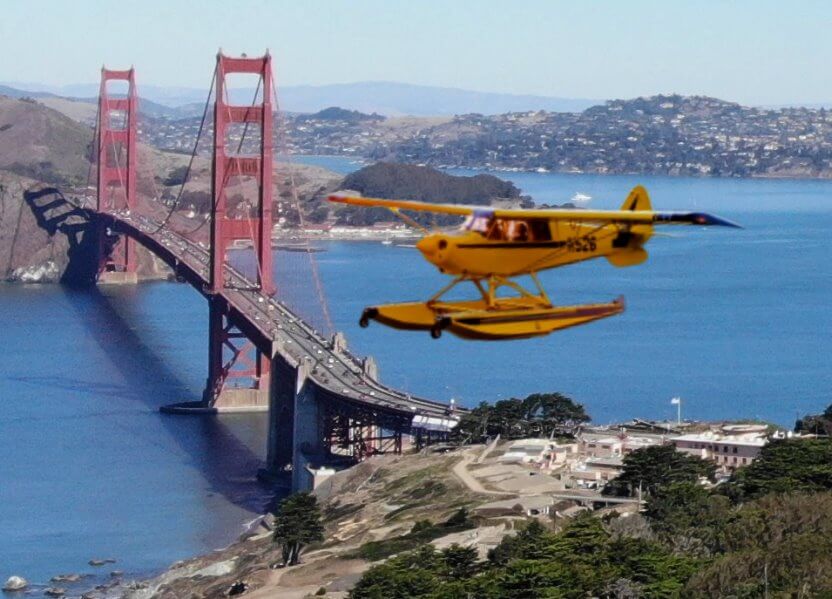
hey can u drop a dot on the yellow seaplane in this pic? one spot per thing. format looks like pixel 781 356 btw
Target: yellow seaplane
pixel 494 246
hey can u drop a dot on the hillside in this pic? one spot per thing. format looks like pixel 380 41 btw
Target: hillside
pixel 386 179
pixel 661 135
pixel 42 238
pixel 394 99
pixel 336 113
pixel 41 143
pixel 368 509
pixel 471 523
pixel 43 152
pixel 82 111
pixel 424 184
pixel 27 251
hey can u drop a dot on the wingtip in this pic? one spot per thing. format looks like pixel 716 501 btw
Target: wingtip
pixel 714 221
pixel 723 222
pixel 695 218
pixel 338 196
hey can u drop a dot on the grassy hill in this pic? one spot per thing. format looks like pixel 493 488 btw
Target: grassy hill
pixel 41 143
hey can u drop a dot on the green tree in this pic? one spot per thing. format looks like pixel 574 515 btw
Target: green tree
pixel 780 541
pixel 554 412
pixel 679 506
pixel 584 560
pixel 461 562
pixel 818 424
pixel 411 574
pixel 474 424
pixel 650 468
pixel 689 517
pixel 529 543
pixel 540 414
pixel 297 523
pixel 787 465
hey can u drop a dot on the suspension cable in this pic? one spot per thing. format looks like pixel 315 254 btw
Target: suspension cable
pixel 257 188
pixel 282 129
pixel 117 160
pixel 94 149
pixel 226 174
pixel 194 152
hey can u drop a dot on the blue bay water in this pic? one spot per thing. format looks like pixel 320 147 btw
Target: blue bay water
pixel 734 321
pixel 89 467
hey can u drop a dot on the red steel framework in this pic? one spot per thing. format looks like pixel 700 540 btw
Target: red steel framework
pixel 116 159
pixel 230 353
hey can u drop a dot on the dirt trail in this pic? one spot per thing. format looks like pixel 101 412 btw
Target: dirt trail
pixel 460 470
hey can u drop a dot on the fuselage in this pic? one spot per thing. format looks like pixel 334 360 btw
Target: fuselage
pixel 505 247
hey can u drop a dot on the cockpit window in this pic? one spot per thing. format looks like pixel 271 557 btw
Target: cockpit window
pixel 520 231
pixel 478 222
pixel 517 230
pixel 540 230
pixel 501 229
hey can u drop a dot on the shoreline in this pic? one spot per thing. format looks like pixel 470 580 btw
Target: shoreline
pixel 140 585
pixel 536 171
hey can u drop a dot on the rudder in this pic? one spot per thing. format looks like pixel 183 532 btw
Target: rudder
pixel 638 199
pixel 629 244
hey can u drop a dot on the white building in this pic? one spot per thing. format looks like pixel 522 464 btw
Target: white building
pixel 527 451
pixel 729 446
pixel 609 444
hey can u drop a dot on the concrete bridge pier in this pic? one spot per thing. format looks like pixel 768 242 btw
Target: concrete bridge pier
pixel 118 278
pixel 227 347
pixel 296 427
pixel 309 434
pixel 280 444
pixel 117 264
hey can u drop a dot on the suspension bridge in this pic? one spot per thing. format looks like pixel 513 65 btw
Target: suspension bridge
pixel 324 404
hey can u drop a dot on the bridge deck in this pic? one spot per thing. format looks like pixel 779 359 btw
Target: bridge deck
pixel 272 326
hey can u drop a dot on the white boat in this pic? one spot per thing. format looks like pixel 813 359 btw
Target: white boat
pixel 580 198
pixel 387 242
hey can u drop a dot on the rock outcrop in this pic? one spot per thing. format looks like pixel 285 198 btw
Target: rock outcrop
pixel 15 583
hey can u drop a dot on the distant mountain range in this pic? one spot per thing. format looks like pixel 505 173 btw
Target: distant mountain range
pixel 389 99
pixel 393 99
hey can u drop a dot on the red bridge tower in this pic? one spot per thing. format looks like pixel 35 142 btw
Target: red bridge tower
pixel 116 159
pixel 231 355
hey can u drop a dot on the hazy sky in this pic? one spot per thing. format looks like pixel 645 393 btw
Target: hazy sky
pixel 755 52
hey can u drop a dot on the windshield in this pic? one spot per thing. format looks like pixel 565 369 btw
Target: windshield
pixel 479 222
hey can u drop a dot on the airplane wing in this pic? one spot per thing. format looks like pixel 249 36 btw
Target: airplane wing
pixel 647 217
pixel 458 209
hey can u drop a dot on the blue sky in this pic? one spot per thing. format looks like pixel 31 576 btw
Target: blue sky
pixel 755 52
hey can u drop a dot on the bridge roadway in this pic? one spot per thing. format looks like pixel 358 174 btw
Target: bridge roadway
pixel 273 327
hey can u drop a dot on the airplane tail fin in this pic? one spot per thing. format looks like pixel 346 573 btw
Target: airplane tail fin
pixel 630 243
pixel 638 199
